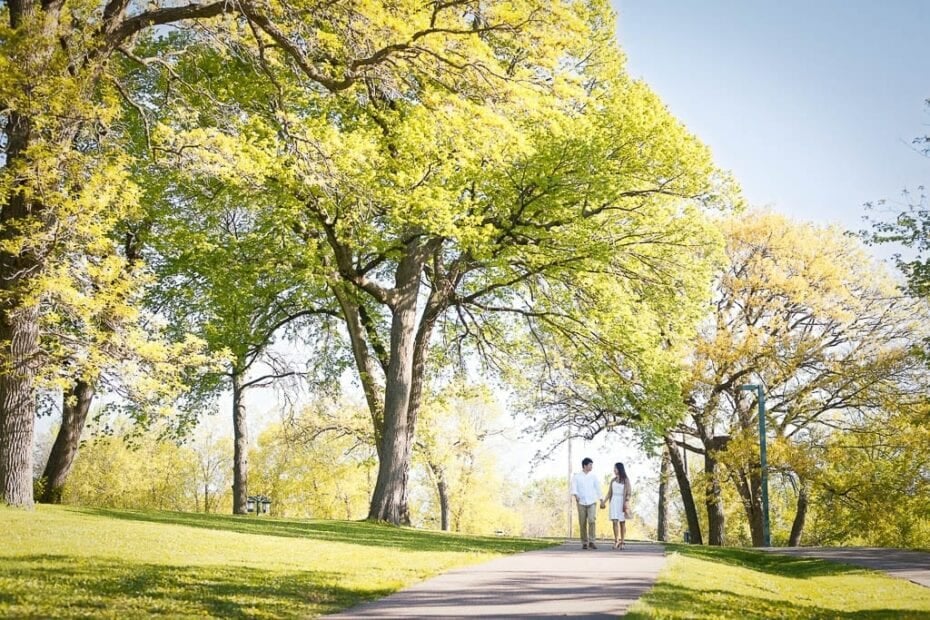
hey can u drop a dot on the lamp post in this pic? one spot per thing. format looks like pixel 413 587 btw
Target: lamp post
pixel 760 399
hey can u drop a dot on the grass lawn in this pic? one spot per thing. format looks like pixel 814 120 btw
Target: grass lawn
pixel 63 562
pixel 714 582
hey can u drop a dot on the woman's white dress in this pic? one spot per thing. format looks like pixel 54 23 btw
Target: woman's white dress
pixel 616 501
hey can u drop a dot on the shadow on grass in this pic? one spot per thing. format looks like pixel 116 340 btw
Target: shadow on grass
pixel 353 532
pixel 769 563
pixel 671 601
pixel 52 586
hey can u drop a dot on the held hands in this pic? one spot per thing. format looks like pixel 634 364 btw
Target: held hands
pixel 603 503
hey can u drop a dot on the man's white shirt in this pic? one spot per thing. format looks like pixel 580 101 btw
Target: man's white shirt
pixel 586 487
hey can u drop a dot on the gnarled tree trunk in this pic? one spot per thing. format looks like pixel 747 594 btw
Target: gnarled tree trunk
pixel 19 319
pixel 749 486
pixel 442 488
pixel 662 523
pixel 74 409
pixel 716 520
pixel 800 516
pixel 19 338
pixel 389 499
pixel 684 486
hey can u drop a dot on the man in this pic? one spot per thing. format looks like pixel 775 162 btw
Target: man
pixel 587 493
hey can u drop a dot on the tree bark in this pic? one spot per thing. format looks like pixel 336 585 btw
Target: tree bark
pixel 749 487
pixel 389 499
pixel 662 524
pixel 443 504
pixel 716 520
pixel 800 516
pixel 434 307
pixel 74 411
pixel 443 489
pixel 240 447
pixel 19 337
pixel 684 486
pixel 19 320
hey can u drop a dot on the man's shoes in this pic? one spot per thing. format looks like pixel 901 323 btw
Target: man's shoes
pixel 584 546
pixel 592 546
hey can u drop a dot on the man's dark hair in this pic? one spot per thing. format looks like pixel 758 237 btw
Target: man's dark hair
pixel 586 461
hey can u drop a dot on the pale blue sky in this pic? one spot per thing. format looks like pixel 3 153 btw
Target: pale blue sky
pixel 812 105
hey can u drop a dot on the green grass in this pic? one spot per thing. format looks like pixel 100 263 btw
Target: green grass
pixel 64 562
pixel 715 582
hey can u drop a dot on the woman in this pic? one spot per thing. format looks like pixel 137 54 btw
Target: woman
pixel 619 498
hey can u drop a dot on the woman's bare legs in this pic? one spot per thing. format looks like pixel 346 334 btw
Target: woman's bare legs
pixel 622 531
pixel 616 534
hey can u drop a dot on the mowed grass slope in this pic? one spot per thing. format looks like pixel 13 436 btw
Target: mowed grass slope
pixel 61 562
pixel 715 582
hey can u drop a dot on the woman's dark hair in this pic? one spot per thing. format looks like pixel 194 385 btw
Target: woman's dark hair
pixel 619 467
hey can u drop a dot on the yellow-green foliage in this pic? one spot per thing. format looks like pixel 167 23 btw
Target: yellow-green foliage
pixel 871 485
pixel 452 444
pixel 524 156
pixel 804 311
pixel 327 478
pixel 147 475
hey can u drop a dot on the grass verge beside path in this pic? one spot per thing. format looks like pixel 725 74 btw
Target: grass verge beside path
pixel 721 582
pixel 63 562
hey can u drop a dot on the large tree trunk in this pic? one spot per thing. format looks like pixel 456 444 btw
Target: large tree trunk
pixel 74 411
pixel 684 486
pixel 716 520
pixel 240 447
pixel 800 517
pixel 662 523
pixel 19 339
pixel 389 499
pixel 749 487
pixel 19 320
pixel 435 304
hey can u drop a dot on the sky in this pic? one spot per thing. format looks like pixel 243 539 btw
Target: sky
pixel 812 105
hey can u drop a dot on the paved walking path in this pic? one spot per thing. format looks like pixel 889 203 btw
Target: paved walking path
pixel 911 565
pixel 560 581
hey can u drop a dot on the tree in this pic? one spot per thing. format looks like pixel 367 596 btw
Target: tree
pixel 117 350
pixel 908 229
pixel 220 276
pixel 62 182
pixel 455 422
pixel 313 464
pixel 64 179
pixel 542 506
pixel 213 475
pixel 499 176
pixel 662 512
pixel 802 310
pixel 870 485
pixel 120 470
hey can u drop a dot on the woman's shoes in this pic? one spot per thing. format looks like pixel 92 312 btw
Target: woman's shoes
pixel 622 546
pixel 616 544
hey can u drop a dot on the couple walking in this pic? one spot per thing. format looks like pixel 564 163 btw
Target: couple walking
pixel 586 489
